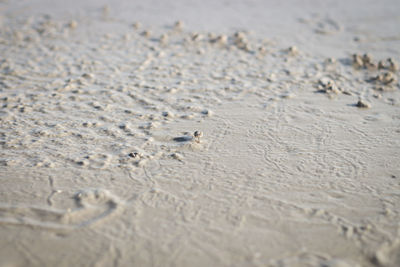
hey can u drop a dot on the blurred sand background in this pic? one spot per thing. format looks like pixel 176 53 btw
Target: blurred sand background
pixel 194 133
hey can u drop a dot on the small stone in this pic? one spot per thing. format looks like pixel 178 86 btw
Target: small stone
pixel 327 86
pixel 206 112
pixel 146 33
pixel 136 25
pixel 272 77
pixel 196 37
pixel 393 66
pixel 388 78
pixel 244 46
pixel 262 50
pixel 220 39
pixel 330 60
pixel 163 38
pixel 88 76
pixel 293 51
pixel 82 162
pixel 239 36
pixel 167 114
pixel 363 104
pixel 72 24
pixel 381 65
pixel 367 59
pixel 347 93
pixel 240 41
pixel 178 25
pixel 384 78
pixel 135 155
pixel 288 95
pixel 357 61
pixel 177 156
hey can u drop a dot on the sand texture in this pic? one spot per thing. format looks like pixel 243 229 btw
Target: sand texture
pixel 188 134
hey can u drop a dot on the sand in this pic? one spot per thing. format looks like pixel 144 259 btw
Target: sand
pixel 199 134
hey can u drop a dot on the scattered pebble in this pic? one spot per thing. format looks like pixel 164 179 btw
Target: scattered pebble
pixel 88 76
pixel 178 25
pixel 288 95
pixel 330 60
pixel 72 24
pixel 221 40
pixel 135 155
pixel 177 156
pixel 326 85
pixel 146 33
pixel 262 50
pixel 207 112
pixel 197 37
pixel 240 41
pixel 389 64
pixel 136 25
pixel 167 114
pixel 393 66
pixel 164 39
pixel 357 61
pixel 377 96
pixel 292 51
pixel 365 61
pixel 384 78
pixel 363 104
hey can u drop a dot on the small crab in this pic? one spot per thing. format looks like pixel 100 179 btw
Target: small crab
pixel 135 155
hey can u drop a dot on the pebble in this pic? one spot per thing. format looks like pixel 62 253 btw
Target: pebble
pixel 164 38
pixel 146 33
pixel 389 64
pixel 393 66
pixel 330 60
pixel 262 50
pixel 357 61
pixel 240 41
pixel 367 59
pixel 72 24
pixel 178 25
pixel 207 112
pixel 88 76
pixel 292 51
pixel 135 155
pixel 221 40
pixel 326 85
pixel 384 78
pixel 167 114
pixel 197 37
pixel 177 156
pixel 136 25
pixel 363 104
pixel 288 95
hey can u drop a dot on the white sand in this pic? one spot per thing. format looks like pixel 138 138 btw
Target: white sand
pixel 298 163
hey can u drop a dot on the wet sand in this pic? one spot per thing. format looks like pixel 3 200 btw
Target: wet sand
pixel 147 134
